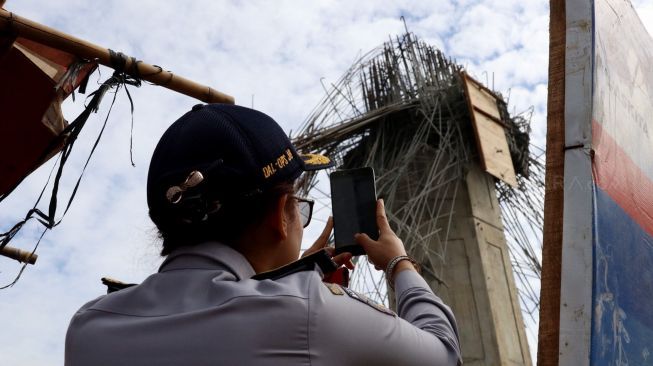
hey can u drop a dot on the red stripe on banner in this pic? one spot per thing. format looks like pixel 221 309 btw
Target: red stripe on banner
pixel 618 175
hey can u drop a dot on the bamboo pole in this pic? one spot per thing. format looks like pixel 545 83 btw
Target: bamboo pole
pixel 11 23
pixel 20 255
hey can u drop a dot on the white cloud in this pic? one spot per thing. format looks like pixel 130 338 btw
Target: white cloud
pixel 276 51
pixel 645 11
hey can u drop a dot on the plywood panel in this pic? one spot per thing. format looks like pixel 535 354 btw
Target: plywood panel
pixel 483 100
pixel 494 149
pixel 490 135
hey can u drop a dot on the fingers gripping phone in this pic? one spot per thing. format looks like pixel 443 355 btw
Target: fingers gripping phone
pixel 353 201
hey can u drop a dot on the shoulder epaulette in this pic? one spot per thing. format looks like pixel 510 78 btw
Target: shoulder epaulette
pixel 115 285
pixel 367 301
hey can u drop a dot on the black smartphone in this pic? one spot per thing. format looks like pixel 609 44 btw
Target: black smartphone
pixel 353 201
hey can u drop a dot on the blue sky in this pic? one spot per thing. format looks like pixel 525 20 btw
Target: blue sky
pixel 274 51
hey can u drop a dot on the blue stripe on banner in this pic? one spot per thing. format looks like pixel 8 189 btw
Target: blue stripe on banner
pixel 622 322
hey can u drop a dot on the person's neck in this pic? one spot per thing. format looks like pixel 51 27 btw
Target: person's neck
pixel 262 251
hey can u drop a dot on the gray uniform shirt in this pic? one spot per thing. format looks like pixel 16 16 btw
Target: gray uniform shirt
pixel 202 308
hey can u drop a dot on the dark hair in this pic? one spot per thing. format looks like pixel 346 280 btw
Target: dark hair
pixel 226 225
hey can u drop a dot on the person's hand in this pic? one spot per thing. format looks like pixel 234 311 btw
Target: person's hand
pixel 322 244
pixel 380 252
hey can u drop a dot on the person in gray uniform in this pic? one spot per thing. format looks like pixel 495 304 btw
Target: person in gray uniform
pixel 231 290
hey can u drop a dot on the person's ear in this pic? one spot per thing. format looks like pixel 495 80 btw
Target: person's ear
pixel 279 217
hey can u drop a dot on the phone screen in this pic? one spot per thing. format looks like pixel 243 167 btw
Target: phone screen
pixel 353 201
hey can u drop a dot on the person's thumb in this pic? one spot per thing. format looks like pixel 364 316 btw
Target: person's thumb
pixel 342 259
pixel 363 240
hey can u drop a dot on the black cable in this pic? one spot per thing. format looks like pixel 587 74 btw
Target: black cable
pixel 71 132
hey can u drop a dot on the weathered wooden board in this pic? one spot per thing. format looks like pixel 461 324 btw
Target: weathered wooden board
pixel 490 135
pixel 496 155
pixel 482 99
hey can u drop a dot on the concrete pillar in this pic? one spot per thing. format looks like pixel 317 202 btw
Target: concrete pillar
pixel 480 286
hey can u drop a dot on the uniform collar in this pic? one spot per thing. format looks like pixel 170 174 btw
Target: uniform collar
pixel 208 255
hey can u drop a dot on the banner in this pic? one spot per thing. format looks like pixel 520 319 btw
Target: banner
pixel 606 307
pixel 622 170
pixel 34 81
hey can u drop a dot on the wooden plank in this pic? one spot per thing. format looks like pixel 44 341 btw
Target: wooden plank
pixel 490 135
pixel 483 100
pixel 496 153
pixel 549 332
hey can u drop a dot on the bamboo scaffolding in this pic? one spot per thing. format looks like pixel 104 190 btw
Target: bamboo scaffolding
pixel 15 25
pixel 20 255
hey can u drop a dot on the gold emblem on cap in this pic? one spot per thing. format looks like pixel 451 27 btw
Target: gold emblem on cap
pixel 315 159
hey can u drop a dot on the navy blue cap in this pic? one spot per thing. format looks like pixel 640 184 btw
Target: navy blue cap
pixel 237 150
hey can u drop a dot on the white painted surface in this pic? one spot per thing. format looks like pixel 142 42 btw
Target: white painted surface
pixel 576 276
